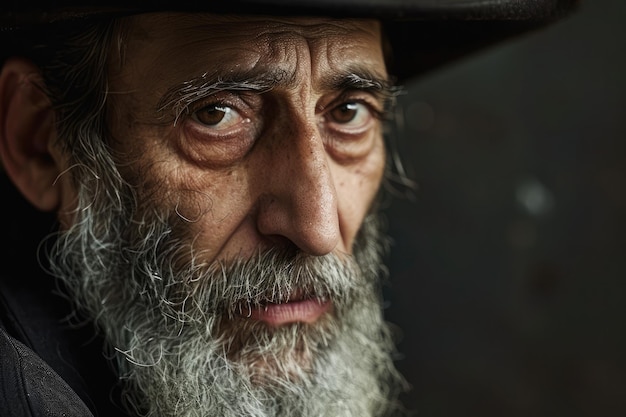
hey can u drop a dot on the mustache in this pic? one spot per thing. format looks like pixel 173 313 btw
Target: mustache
pixel 274 276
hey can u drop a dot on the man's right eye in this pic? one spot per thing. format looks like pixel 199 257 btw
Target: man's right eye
pixel 218 117
pixel 220 130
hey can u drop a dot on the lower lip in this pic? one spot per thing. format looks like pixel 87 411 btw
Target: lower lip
pixel 305 311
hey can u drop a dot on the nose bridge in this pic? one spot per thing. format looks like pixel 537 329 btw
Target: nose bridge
pixel 302 201
pixel 313 182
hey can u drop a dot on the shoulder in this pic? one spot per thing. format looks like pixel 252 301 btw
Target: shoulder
pixel 30 388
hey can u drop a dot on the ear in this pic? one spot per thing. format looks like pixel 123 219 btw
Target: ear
pixel 27 133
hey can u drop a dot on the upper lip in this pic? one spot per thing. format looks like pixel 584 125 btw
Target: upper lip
pixel 244 307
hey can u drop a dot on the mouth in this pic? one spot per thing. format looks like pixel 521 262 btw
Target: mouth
pixel 294 310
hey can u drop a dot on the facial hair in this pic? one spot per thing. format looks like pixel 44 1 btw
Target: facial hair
pixel 183 344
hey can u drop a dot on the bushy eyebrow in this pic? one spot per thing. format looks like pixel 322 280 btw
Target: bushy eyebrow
pixel 355 79
pixel 362 80
pixel 178 98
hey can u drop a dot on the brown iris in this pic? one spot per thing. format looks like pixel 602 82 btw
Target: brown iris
pixel 344 113
pixel 212 115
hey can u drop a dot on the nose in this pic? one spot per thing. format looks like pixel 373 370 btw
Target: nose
pixel 299 202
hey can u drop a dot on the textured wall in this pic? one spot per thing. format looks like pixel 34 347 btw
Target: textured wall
pixel 509 265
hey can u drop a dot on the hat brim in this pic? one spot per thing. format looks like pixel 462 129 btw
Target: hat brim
pixel 422 34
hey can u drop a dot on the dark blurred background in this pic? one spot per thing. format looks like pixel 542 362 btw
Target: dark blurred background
pixel 508 268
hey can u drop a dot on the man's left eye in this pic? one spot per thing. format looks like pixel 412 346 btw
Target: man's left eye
pixel 352 114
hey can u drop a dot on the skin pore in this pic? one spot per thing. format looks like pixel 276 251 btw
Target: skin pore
pixel 231 255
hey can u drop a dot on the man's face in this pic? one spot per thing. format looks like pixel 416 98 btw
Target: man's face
pixel 253 152
pixel 261 133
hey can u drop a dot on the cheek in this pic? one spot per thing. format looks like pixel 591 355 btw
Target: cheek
pixel 204 207
pixel 357 186
pixel 210 206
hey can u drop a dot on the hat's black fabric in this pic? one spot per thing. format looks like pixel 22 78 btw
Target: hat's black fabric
pixel 423 34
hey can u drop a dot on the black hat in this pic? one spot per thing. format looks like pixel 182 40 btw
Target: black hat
pixel 423 34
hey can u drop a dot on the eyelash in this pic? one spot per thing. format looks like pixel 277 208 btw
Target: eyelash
pixel 209 102
pixel 236 104
pixel 351 97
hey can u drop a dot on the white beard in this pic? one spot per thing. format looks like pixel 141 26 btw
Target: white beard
pixel 171 323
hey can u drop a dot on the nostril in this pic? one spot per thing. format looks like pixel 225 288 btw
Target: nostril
pixel 281 243
pixel 307 225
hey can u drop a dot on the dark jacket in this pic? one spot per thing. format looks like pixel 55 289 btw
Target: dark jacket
pixel 49 366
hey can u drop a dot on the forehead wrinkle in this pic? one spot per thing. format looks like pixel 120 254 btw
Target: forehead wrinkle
pixel 200 27
pixel 312 27
pixel 156 26
pixel 263 32
pixel 256 33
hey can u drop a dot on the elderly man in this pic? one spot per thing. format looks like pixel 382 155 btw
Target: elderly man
pixel 214 179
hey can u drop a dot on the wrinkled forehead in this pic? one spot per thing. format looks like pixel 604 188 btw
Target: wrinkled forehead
pixel 176 45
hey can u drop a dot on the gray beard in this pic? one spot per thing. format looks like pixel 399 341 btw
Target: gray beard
pixel 177 330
